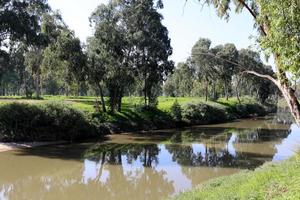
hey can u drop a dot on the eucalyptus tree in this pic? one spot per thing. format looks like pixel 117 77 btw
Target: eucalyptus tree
pixel 224 57
pixel 63 57
pixel 71 54
pixel 33 61
pixel 250 61
pixel 112 51
pixel 96 68
pixel 20 20
pixel 278 25
pixel 204 62
pixel 149 41
pixel 180 83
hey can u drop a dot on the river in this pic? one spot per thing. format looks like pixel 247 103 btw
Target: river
pixel 145 165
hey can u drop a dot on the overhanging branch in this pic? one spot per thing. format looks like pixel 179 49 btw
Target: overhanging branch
pixel 261 76
pixel 254 16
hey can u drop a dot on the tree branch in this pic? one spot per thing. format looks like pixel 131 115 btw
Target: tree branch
pixel 254 15
pixel 269 77
pixel 261 76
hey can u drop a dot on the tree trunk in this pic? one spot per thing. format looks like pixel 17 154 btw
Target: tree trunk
pixel 102 98
pixel 291 99
pixel 287 91
pixel 214 91
pixel 226 91
pixel 206 91
pixel 237 90
pixel 145 92
pixel 37 85
pixel 120 101
pixel 78 88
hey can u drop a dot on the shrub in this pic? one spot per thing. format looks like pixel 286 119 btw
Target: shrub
pixel 249 109
pixel 176 111
pixel 49 122
pixel 202 113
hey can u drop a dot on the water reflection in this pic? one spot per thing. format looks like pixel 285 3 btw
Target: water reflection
pixel 138 167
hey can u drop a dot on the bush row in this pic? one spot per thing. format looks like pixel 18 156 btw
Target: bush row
pixel 201 113
pixel 48 122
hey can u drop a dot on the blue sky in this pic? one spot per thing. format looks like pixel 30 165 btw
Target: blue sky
pixel 186 22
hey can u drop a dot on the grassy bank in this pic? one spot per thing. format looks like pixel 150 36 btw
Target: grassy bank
pixel 60 117
pixel 271 181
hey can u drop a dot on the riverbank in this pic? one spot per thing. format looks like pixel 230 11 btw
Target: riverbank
pixel 75 119
pixel 279 180
pixel 13 146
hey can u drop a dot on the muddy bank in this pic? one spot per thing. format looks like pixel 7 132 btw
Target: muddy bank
pixel 13 146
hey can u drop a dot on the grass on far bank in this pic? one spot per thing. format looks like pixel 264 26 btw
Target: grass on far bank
pixel 86 103
pixel 27 118
pixel 271 181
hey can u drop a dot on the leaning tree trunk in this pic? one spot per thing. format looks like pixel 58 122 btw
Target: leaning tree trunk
pixel 291 99
pixel 287 91
pixel 282 81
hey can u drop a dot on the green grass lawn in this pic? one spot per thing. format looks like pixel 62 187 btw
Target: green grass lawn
pixel 86 103
pixel 135 116
pixel 271 181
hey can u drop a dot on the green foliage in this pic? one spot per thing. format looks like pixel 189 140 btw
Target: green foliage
pixel 271 181
pixel 176 111
pixel 48 122
pixel 20 21
pixel 203 113
pixel 180 83
pixel 282 38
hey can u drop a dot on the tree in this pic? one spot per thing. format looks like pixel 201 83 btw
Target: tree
pixel 63 57
pixel 112 51
pixel 224 57
pixel 278 24
pixel 180 83
pixel 19 20
pixel 149 42
pixel 250 61
pixel 70 52
pixel 33 61
pixel 96 68
pixel 205 65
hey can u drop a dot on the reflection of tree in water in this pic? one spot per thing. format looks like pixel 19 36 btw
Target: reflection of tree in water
pixel 115 178
pixel 283 115
pixel 129 171
pixel 234 149
pixel 216 148
pixel 142 183
pixel 112 153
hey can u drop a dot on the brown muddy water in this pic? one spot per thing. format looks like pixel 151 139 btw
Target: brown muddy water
pixel 142 166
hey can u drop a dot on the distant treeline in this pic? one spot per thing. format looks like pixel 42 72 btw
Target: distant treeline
pixel 221 71
pixel 128 54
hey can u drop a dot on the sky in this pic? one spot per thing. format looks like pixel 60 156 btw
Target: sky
pixel 186 22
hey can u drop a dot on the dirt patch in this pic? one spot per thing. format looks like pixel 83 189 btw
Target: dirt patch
pixel 13 146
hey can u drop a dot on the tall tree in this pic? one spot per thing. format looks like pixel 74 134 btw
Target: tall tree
pixel 33 61
pixel 20 20
pixel 278 24
pixel 96 68
pixel 180 83
pixel 205 64
pixel 111 47
pixel 150 43
pixel 224 57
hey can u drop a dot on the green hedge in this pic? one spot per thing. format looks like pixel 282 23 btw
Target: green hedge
pixel 48 122
pixel 203 113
